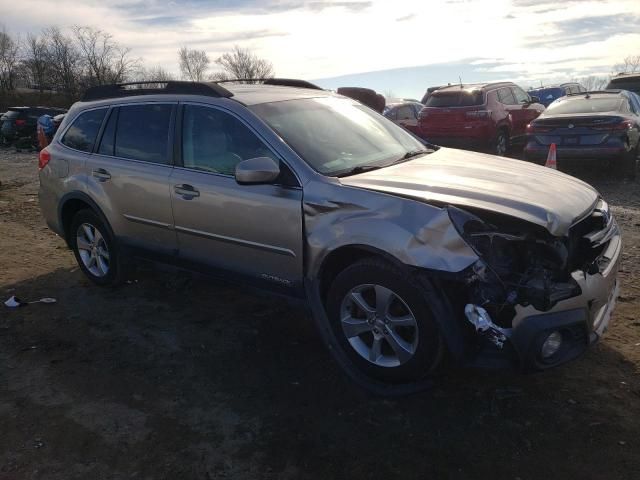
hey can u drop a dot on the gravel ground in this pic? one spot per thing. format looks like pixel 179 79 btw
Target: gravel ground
pixel 173 376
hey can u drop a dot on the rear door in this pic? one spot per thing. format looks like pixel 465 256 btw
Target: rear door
pixel 251 231
pixel 128 175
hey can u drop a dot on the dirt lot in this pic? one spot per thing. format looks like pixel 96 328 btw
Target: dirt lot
pixel 171 376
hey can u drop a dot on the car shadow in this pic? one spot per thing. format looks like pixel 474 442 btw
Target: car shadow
pixel 175 374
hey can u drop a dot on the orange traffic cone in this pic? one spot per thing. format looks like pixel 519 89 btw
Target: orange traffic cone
pixel 551 158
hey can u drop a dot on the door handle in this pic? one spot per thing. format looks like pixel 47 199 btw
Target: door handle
pixel 187 191
pixel 101 174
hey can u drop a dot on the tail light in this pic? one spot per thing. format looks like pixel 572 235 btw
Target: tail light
pixel 20 122
pixel 618 126
pixel 43 158
pixel 624 125
pixel 533 128
pixel 478 114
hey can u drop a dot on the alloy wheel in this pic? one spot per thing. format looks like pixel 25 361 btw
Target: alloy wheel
pixel 93 250
pixel 379 325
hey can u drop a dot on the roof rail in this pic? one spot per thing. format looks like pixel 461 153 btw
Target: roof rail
pixel 282 82
pixel 209 89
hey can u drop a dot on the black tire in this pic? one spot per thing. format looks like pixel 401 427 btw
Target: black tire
pixel 624 166
pixel 500 146
pixel 115 272
pixel 415 294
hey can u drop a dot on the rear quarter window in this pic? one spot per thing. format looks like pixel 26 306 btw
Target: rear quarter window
pixel 455 99
pixel 82 133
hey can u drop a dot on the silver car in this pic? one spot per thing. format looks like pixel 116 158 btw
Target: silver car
pixel 404 252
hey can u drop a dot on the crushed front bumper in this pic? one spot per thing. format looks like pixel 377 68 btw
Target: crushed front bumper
pixel 581 320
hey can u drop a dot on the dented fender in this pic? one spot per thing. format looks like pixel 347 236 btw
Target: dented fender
pixel 415 233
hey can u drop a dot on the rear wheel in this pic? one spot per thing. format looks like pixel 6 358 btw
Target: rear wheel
pixel 383 321
pixel 95 248
pixel 501 143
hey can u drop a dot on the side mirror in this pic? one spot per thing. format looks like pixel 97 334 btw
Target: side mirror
pixel 535 99
pixel 255 171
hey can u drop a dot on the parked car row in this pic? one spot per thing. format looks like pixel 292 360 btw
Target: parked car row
pixel 502 117
pixel 18 125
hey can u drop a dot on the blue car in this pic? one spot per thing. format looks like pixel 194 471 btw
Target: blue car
pixel 548 95
pixel 603 126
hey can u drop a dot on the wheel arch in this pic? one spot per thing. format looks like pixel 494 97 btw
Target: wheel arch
pixel 72 203
pixel 445 316
pixel 340 258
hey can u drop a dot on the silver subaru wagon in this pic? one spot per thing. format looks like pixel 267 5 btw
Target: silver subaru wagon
pixel 403 251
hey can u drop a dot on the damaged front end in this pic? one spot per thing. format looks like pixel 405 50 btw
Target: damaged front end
pixel 541 297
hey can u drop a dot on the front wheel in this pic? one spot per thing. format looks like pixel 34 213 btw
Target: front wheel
pixel 95 248
pixel 384 322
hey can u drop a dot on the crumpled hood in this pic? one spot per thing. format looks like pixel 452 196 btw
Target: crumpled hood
pixel 537 194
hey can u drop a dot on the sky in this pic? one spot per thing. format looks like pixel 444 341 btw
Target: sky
pixel 399 46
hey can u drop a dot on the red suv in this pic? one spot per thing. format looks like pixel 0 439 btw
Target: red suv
pixel 490 116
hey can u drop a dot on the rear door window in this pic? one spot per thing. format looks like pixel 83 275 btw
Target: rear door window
pixel 107 144
pixel 462 98
pixel 82 133
pixel 142 132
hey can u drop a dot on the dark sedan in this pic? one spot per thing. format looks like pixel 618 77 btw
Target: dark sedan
pixel 602 125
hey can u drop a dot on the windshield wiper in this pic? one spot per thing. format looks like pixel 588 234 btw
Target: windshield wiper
pixel 360 169
pixel 412 153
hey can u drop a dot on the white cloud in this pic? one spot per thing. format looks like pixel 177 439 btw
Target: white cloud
pixel 316 42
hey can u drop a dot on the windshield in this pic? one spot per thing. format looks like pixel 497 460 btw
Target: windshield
pixel 462 98
pixel 585 105
pixel 336 135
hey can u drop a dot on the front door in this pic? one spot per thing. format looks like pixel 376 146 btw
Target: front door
pixel 251 230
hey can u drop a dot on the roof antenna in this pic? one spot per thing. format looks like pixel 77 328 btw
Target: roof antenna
pixel 460 78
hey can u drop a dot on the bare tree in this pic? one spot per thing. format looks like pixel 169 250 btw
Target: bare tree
pixel 390 94
pixel 9 61
pixel 153 74
pixel 159 74
pixel 36 61
pixel 193 64
pixel 593 83
pixel 104 60
pixel 242 64
pixel 64 55
pixel 630 64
